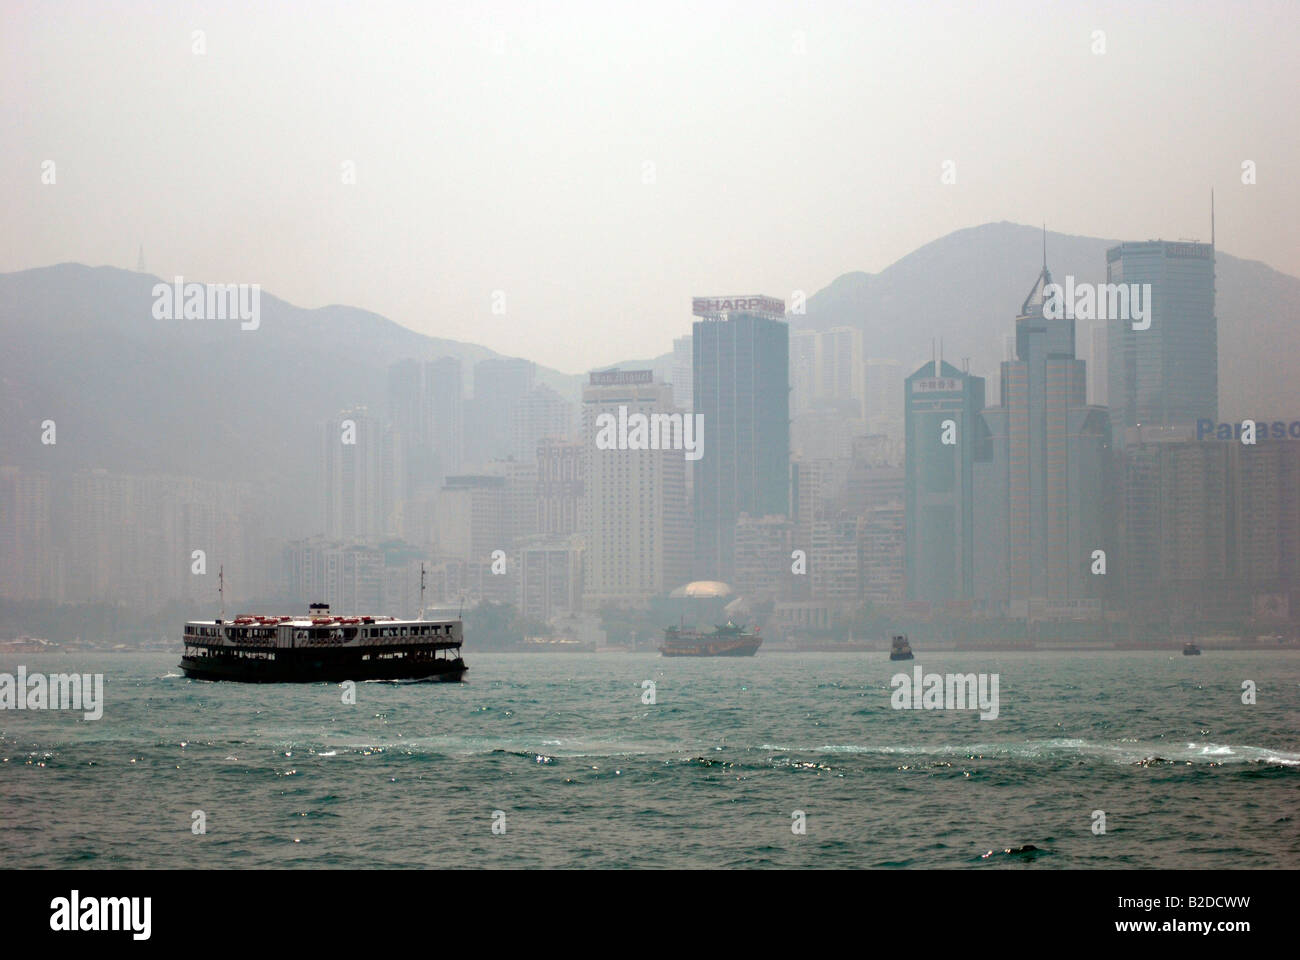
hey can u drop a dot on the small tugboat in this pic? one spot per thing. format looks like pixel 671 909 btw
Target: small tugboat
pixel 899 648
pixel 725 641
pixel 1190 649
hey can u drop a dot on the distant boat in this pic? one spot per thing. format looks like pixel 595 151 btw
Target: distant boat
pixel 730 640
pixel 27 645
pixel 1190 649
pixel 900 649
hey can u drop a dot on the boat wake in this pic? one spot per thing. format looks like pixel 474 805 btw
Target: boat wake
pixel 1145 753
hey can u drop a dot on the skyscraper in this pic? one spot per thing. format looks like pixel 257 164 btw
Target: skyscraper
pixel 635 518
pixel 1042 471
pixel 805 346
pixel 843 369
pixel 351 478
pixel 741 364
pixel 559 487
pixel 406 415
pixel 498 383
pixel 1166 375
pixel 884 389
pixel 1098 379
pixel 539 414
pixel 444 407
pixel 683 381
pixel 941 423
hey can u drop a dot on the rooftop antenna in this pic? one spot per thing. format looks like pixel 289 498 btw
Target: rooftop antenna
pixel 421 617
pixel 1044 244
pixel 1211 216
pixel 933 360
pixel 221 589
pixel 938 367
pixel 139 263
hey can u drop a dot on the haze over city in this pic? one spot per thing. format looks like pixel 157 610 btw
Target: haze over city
pixel 672 436
pixel 600 164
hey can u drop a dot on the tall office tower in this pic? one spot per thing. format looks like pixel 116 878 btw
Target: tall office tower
pixel 1043 468
pixel 875 475
pixel 1098 384
pixel 683 380
pixel 27 554
pixel 394 481
pixel 473 517
pixel 1168 374
pixel 549 577
pixel 1211 528
pixel 833 561
pixel 635 519
pixel 559 486
pixel 741 355
pixel 101 531
pixel 763 548
pixel 815 484
pixel 351 494
pixel 843 369
pixel 539 414
pixel 406 415
pixel 444 407
pixel 941 416
pixel 824 435
pixel 498 383
pixel 881 557
pixel 349 578
pixel 520 498
pixel 805 367
pixel 884 392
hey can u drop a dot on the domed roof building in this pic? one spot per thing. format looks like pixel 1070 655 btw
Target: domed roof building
pixel 701 590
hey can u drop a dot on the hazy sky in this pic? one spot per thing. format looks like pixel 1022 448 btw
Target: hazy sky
pixel 506 146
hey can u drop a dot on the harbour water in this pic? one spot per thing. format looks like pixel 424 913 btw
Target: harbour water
pixel 564 756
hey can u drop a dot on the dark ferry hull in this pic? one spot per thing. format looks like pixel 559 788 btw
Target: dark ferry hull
pixel 901 656
pixel 716 648
pixel 314 668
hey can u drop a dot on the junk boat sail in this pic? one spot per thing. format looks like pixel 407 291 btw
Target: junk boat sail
pixel 899 648
pixel 725 641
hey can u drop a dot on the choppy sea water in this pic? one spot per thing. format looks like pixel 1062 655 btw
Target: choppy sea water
pixel 710 775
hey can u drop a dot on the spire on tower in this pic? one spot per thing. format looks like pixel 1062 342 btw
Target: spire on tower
pixel 1033 304
pixel 139 263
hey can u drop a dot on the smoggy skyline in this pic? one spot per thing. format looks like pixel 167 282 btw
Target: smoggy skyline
pixel 599 166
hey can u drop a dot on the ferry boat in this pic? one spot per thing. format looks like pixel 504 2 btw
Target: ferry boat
pixel 730 640
pixel 899 648
pixel 322 647
pixel 1190 649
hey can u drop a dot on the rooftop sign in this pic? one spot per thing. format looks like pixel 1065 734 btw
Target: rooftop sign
pixel 752 303
pixel 618 378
